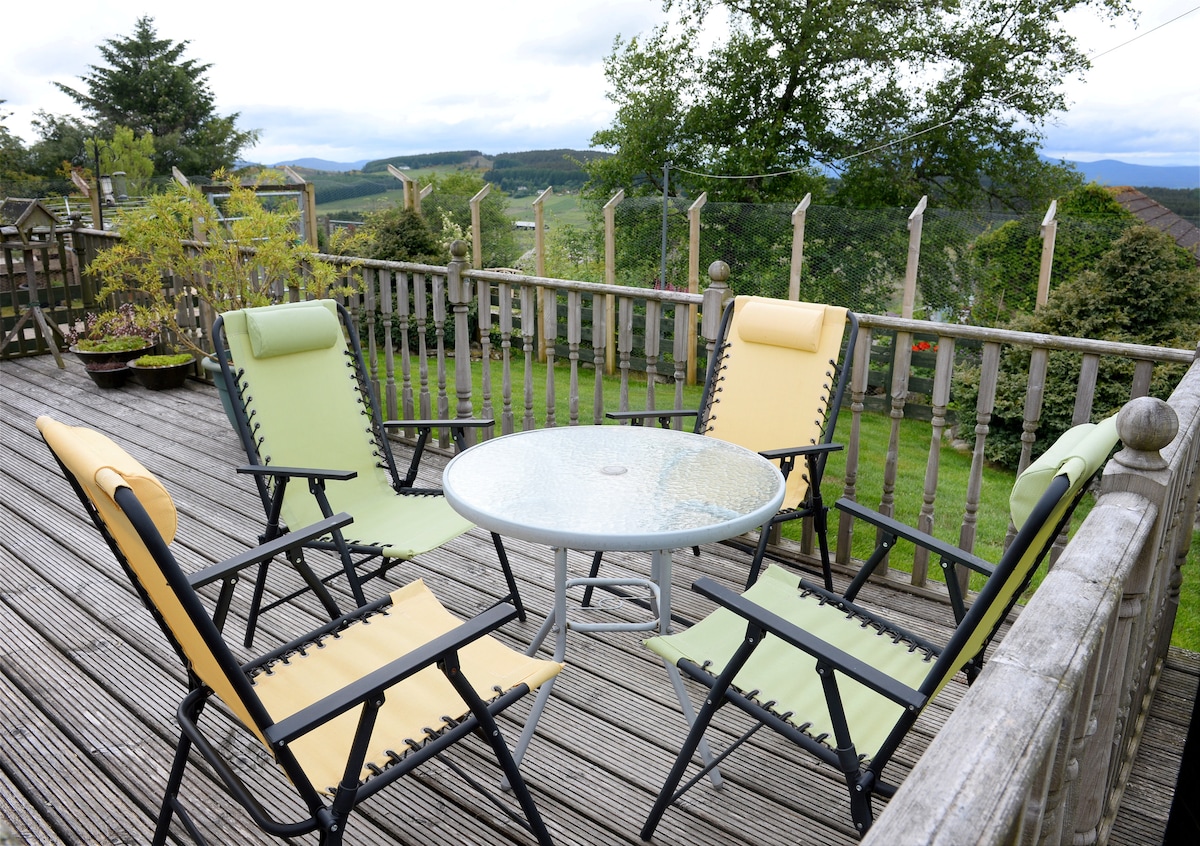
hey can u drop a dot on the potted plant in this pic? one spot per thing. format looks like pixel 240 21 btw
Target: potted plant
pixel 242 254
pixel 121 334
pixel 108 374
pixel 160 372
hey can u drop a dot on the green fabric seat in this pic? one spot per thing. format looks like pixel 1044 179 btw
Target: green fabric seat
pixel 838 678
pixel 310 423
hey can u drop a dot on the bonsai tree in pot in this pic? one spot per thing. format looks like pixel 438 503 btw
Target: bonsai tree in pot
pixel 108 340
pixel 121 333
pixel 192 259
pixel 243 253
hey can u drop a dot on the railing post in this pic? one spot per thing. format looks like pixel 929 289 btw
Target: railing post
pixel 715 296
pixel 799 215
pixel 458 292
pixel 1146 426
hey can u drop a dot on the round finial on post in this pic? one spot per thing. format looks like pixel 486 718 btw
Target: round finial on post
pixel 1146 425
pixel 458 249
pixel 718 272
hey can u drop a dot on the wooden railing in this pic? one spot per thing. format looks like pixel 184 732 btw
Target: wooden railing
pixel 427 328
pixel 1039 749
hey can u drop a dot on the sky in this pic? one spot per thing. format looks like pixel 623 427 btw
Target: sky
pixel 518 75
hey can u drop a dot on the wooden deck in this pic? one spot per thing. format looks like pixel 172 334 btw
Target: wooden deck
pixel 88 686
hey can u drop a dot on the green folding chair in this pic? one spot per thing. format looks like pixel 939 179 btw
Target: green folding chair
pixel 344 710
pixel 839 679
pixel 774 386
pixel 306 411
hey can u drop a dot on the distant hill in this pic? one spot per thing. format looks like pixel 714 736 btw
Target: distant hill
pixel 1115 173
pixel 324 164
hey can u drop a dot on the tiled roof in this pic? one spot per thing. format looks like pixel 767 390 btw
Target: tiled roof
pixel 1153 214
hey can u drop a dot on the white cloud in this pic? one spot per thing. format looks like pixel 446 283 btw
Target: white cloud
pixel 516 75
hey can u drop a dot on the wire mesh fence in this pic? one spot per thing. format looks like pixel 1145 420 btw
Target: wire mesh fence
pixel 976 267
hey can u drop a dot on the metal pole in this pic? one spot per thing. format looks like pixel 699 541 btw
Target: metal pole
pixel 662 274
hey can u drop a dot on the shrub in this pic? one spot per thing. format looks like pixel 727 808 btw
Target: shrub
pixel 1144 290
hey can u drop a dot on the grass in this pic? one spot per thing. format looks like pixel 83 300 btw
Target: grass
pixel 875 432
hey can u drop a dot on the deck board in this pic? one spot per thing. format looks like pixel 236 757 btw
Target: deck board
pixel 88 686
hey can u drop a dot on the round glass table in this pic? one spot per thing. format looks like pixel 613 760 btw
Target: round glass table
pixel 603 488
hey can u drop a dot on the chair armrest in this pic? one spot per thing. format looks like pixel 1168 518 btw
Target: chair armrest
pixel 268 550
pixel 810 449
pixel 822 650
pixel 292 472
pixel 638 418
pixel 946 550
pixel 372 684
pixel 464 423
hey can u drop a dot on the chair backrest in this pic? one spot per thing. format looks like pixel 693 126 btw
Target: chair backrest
pixel 1042 501
pixel 303 399
pixel 136 516
pixel 774 380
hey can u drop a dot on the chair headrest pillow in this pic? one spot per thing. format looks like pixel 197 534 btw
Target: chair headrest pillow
pixel 295 328
pixel 778 323
pixel 97 462
pixel 1078 453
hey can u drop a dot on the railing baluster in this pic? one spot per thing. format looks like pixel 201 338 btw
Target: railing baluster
pixel 901 358
pixel 484 310
pixel 624 346
pixel 528 332
pixel 859 377
pixel 549 340
pixel 685 332
pixel 419 309
pixel 989 375
pixel 600 337
pixel 574 336
pixel 504 292
pixel 939 400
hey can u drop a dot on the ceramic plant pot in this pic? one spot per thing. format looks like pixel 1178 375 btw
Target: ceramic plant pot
pixel 161 378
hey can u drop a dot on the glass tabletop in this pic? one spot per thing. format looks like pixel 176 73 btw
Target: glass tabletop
pixel 613 487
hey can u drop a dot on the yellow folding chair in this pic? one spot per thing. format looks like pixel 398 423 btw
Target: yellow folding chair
pixel 345 709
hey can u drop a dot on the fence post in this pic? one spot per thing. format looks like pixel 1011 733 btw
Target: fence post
pixel 610 278
pixel 406 181
pixel 476 234
pixel 693 278
pixel 1049 231
pixel 458 292
pixel 798 219
pixel 915 222
pixel 539 256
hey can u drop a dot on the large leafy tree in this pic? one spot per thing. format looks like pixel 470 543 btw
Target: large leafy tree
pixel 901 98
pixel 149 86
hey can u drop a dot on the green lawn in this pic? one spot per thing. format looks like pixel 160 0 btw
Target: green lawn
pixel 914 443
